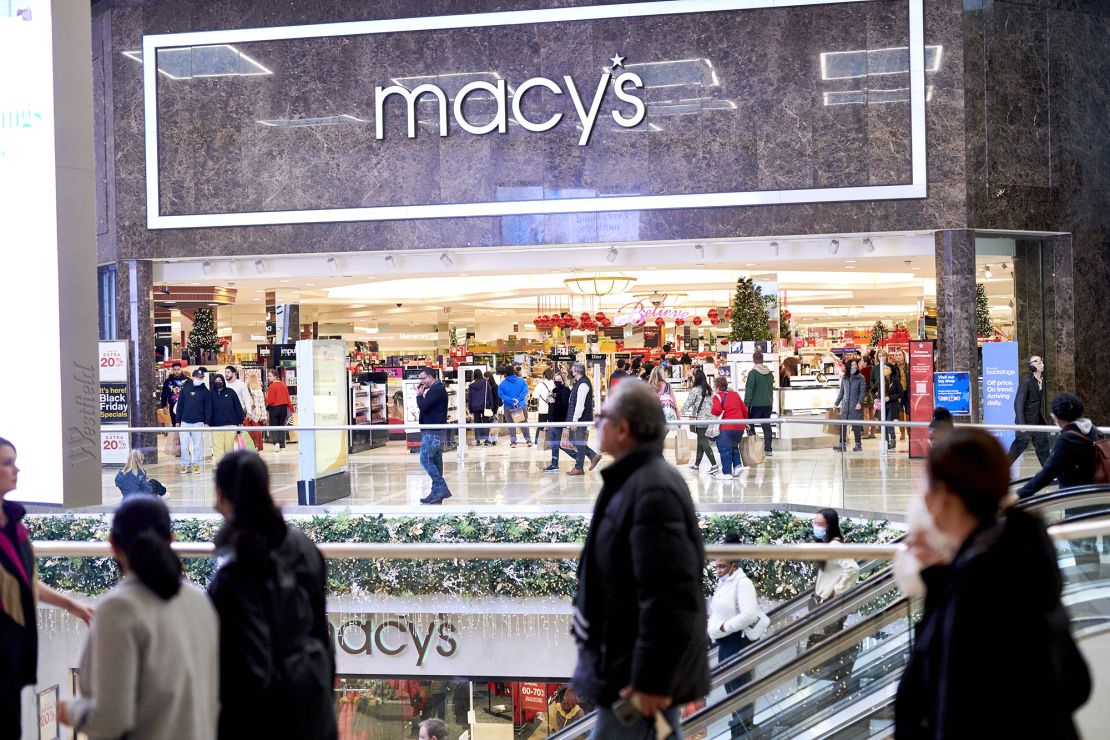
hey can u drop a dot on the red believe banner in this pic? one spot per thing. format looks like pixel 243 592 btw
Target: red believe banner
pixel 921 395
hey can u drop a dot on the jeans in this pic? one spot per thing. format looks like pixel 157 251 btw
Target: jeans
pixel 1022 440
pixel 728 646
pixel 761 412
pixel 728 444
pixel 554 437
pixel 192 454
pixel 705 446
pixel 431 457
pixel 608 727
pixel 512 429
pixel 581 438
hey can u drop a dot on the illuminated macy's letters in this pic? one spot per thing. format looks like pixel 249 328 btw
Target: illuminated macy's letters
pixel 624 87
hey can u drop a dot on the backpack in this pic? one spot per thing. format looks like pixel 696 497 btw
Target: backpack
pixel 1100 454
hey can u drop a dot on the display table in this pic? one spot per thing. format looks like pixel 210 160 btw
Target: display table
pixel 808 400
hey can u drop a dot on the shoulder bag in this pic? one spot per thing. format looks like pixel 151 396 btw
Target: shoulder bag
pixel 714 430
pixel 759 627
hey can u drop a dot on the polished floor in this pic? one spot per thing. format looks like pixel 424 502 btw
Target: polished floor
pixel 501 479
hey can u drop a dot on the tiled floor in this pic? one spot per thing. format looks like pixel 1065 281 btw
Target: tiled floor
pixel 497 479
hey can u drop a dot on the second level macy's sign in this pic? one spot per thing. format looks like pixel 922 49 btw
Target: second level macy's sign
pixel 587 103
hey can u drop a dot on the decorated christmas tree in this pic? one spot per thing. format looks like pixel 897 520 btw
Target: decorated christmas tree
pixel 749 313
pixel 203 336
pixel 878 334
pixel 983 326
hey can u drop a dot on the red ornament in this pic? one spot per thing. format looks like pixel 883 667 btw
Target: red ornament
pixel 606 322
pixel 697 321
pixel 679 322
pixel 570 323
pixel 728 314
pixel 584 316
pixel 714 321
pixel 599 316
pixel 713 314
pixel 660 322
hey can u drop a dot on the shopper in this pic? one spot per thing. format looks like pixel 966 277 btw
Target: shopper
pixel 735 622
pixel 904 395
pixel 850 402
pixel 226 412
pixel 1072 462
pixel 759 393
pixel 194 412
pixel 639 611
pixel 542 390
pixel 787 370
pixel 278 406
pixel 994 630
pixel 171 390
pixel 19 632
pixel 662 387
pixel 231 375
pixel 941 425
pixel 727 404
pixel 580 407
pixel 558 403
pixel 256 409
pixel 495 404
pixel 620 373
pixel 513 392
pixel 1029 409
pixel 834 576
pixel 699 405
pixel 479 403
pixel 133 480
pixel 865 368
pixel 432 402
pixel 277 663
pixel 891 379
pixel 150 667
pixel 433 729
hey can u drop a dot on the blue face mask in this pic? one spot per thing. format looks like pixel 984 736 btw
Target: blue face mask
pixel 819 532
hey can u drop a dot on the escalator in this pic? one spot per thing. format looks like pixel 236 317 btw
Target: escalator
pixel 814 659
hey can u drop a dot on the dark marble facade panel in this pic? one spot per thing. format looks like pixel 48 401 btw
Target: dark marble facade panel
pixel 944 208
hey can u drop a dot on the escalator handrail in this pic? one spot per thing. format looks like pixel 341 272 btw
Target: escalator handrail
pixel 1063 493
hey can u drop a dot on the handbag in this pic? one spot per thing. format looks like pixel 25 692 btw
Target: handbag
pixel 681 451
pixel 156 487
pixel 714 430
pixel 759 627
pixel 833 413
pixel 751 451
pixel 518 415
pixel 244 442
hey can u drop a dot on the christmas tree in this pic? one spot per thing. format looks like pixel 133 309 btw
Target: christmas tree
pixel 203 336
pixel 878 334
pixel 749 313
pixel 983 326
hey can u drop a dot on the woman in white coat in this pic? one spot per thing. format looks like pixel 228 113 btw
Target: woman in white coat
pixel 735 622
pixel 834 577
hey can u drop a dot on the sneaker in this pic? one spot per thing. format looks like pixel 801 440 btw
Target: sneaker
pixel 529 444
pixel 695 466
pixel 838 448
pixel 768 453
pixel 551 469
pixel 737 471
pixel 715 469
pixel 857 448
pixel 184 469
pixel 595 460
pixel 576 471
pixel 196 469
pixel 436 498
pixel 723 476
pixel 512 444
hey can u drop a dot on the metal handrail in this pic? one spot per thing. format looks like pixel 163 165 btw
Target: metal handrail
pixel 556 551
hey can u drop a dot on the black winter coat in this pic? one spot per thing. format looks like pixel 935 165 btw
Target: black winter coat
pixel 194 404
pixel 994 631
pixel 479 397
pixel 1027 402
pixel 277 662
pixel 1072 460
pixel 227 409
pixel 640 612
pixel 558 407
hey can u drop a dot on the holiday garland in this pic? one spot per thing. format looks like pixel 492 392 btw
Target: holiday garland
pixel 774 580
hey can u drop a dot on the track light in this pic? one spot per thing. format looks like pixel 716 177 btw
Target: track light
pixel 987 272
pixel 390 263
pixel 611 255
pixel 1004 267
pixel 207 267
pixel 868 245
pixel 446 259
pixel 259 266
pixel 834 246
pixel 333 265
pixel 775 248
pixel 699 251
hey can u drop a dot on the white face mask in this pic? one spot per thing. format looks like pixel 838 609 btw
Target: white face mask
pixel 907 569
pixel 198 381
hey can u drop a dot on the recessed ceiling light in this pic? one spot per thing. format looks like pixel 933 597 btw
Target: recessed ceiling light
pixel 850 262
pixel 283 280
pixel 749 264
pixel 256 299
pixel 310 285
pixel 849 267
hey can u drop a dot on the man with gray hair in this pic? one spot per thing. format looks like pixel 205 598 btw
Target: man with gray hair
pixel 1029 409
pixel 581 408
pixel 639 612
pixel 433 729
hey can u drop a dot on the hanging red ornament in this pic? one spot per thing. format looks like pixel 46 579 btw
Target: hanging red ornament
pixel 728 314
pixel 713 314
pixel 660 322
pixel 679 322
pixel 599 316
pixel 697 321
pixel 714 321
pixel 606 322
pixel 571 323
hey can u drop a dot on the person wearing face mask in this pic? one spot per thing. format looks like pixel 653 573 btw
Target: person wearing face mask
pixel 836 576
pixel 194 412
pixel 994 628
pixel 558 402
pixel 227 411
pixel 850 400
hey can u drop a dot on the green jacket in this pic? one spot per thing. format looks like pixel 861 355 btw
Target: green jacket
pixel 759 388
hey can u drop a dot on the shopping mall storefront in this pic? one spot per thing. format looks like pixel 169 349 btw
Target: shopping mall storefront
pixel 490 147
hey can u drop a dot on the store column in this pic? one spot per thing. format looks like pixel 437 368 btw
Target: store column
pixel 956 341
pixel 1062 376
pixel 135 309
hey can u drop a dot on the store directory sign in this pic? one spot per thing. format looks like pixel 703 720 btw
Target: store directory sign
pixel 1000 383
pixel 953 392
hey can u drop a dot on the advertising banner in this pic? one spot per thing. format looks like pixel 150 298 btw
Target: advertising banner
pixel 113 361
pixel 921 395
pixel 114 404
pixel 533 697
pixel 1000 383
pixel 953 392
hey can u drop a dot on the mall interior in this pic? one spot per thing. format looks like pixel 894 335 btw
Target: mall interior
pixel 332 198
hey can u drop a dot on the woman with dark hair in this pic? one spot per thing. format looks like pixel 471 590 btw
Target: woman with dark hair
pixel 699 405
pixel 994 627
pixel 495 404
pixel 835 576
pixel 850 402
pixel 150 664
pixel 19 632
pixel 277 665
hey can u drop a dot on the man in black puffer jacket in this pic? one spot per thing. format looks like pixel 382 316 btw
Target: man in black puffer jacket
pixel 639 614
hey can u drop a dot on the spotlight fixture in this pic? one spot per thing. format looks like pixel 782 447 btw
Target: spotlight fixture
pixel 390 263
pixel 868 245
pixel 207 267
pixel 611 255
pixel 333 265
pixel 699 251
pixel 259 266
pixel 775 248
pixel 446 259
pixel 1004 266
pixel 834 246
pixel 987 272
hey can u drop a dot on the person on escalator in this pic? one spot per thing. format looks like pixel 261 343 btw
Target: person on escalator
pixel 1072 461
pixel 995 629
pixel 735 622
pixel 834 577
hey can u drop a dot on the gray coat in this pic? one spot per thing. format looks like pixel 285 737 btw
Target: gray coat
pixel 852 390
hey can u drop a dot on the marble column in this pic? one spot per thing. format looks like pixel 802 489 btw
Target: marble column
pixel 1061 374
pixel 135 309
pixel 956 342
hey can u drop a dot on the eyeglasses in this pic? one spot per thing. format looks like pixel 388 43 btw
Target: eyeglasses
pixel 601 415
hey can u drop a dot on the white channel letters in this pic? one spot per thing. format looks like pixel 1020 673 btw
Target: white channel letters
pixel 587 117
